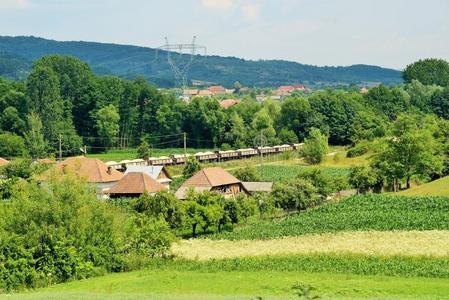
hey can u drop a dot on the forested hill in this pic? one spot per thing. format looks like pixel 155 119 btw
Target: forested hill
pixel 17 53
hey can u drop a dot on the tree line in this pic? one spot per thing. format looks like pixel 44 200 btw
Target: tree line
pixel 63 102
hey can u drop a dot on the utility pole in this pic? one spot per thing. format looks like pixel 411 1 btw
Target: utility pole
pixel 85 150
pixel 60 148
pixel 185 147
pixel 261 145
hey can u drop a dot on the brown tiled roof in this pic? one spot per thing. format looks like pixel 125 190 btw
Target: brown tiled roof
pixel 136 183
pixel 211 177
pixel 3 162
pixel 94 170
pixel 228 103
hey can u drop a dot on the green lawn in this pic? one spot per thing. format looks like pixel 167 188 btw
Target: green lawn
pixel 279 172
pixel 438 187
pixel 174 285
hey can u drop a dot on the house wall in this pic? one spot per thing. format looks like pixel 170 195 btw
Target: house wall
pixel 228 190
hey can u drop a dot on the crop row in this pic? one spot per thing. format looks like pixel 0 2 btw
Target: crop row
pixel 349 264
pixel 359 213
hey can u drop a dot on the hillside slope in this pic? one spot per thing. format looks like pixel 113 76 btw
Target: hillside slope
pixel 131 61
pixel 438 187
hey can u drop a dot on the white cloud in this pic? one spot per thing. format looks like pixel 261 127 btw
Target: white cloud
pixel 13 4
pixel 251 12
pixel 218 4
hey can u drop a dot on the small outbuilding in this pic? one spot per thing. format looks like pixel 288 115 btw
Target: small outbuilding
pixel 133 185
pixel 214 180
pixel 158 173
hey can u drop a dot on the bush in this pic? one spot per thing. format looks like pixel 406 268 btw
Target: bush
pixel 191 168
pixel 11 145
pixel 315 147
pixel 358 150
pixel 248 174
pixel 60 231
pixel 295 195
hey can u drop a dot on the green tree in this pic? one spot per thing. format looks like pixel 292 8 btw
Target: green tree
pixel 263 125
pixel 439 103
pixel 143 152
pixel 388 101
pixel 10 121
pixel 287 136
pixel 410 152
pixel 11 145
pixel 191 168
pixel 107 124
pixel 163 205
pixel 34 137
pixel 363 178
pixel 236 135
pixel 298 116
pixel 295 195
pixel 315 147
pixel 428 72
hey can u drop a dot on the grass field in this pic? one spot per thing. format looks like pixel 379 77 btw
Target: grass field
pixel 279 172
pixel 360 213
pixel 438 187
pixel 173 284
pixel 388 243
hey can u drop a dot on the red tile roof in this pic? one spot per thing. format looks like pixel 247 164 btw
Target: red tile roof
pixel 136 183
pixel 93 169
pixel 211 177
pixel 3 162
pixel 217 89
pixel 228 103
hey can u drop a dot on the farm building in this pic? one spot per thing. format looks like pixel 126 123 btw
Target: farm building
pixel 229 103
pixel 3 162
pixel 217 90
pixel 94 170
pixel 212 179
pixel 158 173
pixel 133 185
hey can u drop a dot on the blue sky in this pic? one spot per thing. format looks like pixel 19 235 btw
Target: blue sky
pixel 390 33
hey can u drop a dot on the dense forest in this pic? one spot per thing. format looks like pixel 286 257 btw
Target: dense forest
pixel 131 61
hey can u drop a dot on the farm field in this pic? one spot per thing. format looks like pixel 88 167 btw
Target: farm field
pixel 360 213
pixel 438 187
pixel 173 284
pixel 388 243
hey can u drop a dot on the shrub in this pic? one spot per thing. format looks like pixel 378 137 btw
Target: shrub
pixel 360 149
pixel 161 205
pixel 248 173
pixel 295 195
pixel 315 147
pixel 192 167
pixel 143 152
pixel 11 145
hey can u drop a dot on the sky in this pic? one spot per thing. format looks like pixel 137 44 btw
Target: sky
pixel 388 33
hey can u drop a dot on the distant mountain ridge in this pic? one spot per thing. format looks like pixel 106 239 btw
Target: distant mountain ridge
pixel 132 61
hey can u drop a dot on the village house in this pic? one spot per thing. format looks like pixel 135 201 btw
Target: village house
pixel 214 180
pixel 158 173
pixel 133 185
pixel 225 104
pixel 3 162
pixel 93 170
pixel 217 90
pixel 287 90
pixel 205 93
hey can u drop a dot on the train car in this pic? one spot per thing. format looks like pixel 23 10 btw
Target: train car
pixel 206 156
pixel 297 146
pixel 227 155
pixel 266 150
pixel 160 161
pixel 283 148
pixel 137 162
pixel 243 153
pixel 113 164
pixel 179 159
